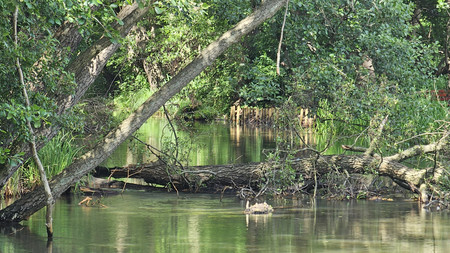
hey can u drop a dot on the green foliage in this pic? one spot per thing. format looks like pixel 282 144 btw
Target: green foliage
pixel 165 42
pixel 13 188
pixel 95 18
pixel 281 177
pixel 444 181
pixel 229 12
pixel 262 86
pixel 327 48
pixel 330 124
pixel 43 62
pixel 43 66
pixel 245 72
pixel 324 46
pixel 56 155
pixel 218 86
pixel 176 150
pixel 130 96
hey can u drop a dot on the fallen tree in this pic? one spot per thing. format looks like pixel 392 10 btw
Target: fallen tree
pixel 35 200
pixel 253 174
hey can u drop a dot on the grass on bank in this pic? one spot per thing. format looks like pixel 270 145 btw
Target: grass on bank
pixel 56 155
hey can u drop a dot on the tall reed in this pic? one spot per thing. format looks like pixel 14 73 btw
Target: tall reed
pixel 56 155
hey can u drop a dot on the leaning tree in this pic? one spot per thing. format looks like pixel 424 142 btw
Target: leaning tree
pixel 88 65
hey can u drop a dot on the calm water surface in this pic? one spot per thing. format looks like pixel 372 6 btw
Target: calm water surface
pixel 163 222
pixel 212 143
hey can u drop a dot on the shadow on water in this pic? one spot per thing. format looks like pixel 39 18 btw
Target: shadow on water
pixel 19 238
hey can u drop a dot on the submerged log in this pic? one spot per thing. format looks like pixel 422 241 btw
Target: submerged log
pixel 252 174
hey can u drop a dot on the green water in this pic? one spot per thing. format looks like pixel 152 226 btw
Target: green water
pixel 163 222
pixel 207 143
pixel 203 144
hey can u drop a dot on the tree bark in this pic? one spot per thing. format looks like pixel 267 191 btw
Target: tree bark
pixel 88 65
pixel 251 175
pixel 420 149
pixel 86 68
pixel 33 201
pixel 37 160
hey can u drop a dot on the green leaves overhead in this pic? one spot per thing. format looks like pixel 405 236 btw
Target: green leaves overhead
pixel 359 58
pixel 362 58
pixel 187 8
pixel 167 41
pixel 42 59
pixel 442 5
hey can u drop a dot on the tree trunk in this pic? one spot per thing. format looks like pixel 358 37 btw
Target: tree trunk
pixel 37 160
pixel 88 65
pixel 86 68
pixel 33 201
pixel 253 174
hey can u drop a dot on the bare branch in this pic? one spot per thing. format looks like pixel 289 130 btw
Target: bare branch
pixel 354 148
pixel 374 141
pixel 419 149
pixel 281 38
pixel 37 160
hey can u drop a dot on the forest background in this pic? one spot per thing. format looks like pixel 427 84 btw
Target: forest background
pixel 369 68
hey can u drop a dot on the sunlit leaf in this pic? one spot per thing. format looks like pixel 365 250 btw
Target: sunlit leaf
pixel 158 10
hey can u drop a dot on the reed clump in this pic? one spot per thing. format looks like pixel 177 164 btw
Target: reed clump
pixel 56 155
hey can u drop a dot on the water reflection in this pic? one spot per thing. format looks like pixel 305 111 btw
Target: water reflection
pixel 160 222
pixel 216 143
pixel 18 238
pixel 207 144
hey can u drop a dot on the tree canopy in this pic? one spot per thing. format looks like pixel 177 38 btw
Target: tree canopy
pixel 365 67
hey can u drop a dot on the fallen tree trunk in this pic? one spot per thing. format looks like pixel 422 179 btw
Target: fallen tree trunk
pixel 253 174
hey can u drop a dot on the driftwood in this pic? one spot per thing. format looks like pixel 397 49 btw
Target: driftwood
pixel 253 175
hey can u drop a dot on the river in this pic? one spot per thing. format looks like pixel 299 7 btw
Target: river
pixel 162 222
pixel 139 221
pixel 206 143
